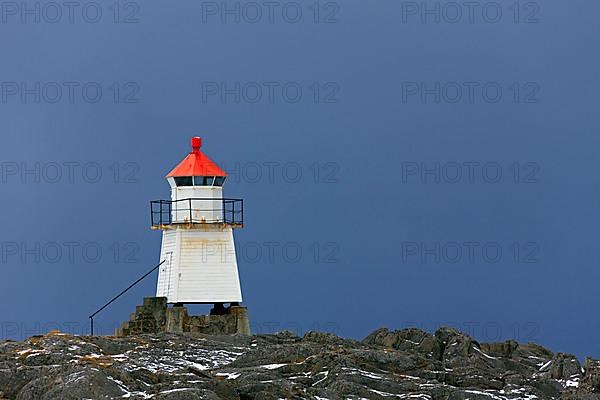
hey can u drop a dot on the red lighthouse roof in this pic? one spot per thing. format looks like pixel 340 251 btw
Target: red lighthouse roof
pixel 196 163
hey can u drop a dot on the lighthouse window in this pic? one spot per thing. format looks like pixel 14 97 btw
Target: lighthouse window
pixel 183 181
pixel 203 180
pixel 219 180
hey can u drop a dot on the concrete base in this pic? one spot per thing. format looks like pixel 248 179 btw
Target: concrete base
pixel 154 316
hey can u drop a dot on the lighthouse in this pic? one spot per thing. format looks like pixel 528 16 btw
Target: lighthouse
pixel 197 223
pixel 198 263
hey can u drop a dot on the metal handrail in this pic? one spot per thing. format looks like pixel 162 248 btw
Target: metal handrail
pixel 91 317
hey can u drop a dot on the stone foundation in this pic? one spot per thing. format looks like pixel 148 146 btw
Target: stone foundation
pixel 155 316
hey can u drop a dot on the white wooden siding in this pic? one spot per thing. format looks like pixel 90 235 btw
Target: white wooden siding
pixel 203 267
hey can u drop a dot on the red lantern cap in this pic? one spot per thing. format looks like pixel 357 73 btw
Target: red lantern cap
pixel 196 163
pixel 196 143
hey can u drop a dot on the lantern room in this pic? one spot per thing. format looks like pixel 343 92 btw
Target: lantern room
pixel 197 194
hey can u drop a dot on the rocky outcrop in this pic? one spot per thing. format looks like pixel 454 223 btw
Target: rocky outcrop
pixel 404 364
pixel 590 382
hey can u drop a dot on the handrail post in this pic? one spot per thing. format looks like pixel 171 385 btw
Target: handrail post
pixel 242 221
pixel 152 213
pixel 190 203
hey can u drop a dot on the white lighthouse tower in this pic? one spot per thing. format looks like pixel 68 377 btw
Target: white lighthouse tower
pixel 200 265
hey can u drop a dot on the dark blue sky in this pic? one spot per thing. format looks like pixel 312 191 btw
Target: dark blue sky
pixel 448 169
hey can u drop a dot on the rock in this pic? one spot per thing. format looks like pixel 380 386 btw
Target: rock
pixel 406 339
pixel 408 363
pixel 454 344
pixel 504 349
pixel 327 339
pixel 590 383
pixel 187 394
pixel 85 383
pixel 565 367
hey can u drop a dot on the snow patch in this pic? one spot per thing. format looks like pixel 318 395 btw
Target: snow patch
pixel 363 373
pixel 545 366
pixel 483 354
pixel 229 375
pixel 272 366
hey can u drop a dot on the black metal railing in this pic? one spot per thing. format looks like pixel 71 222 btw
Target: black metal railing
pixel 197 211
